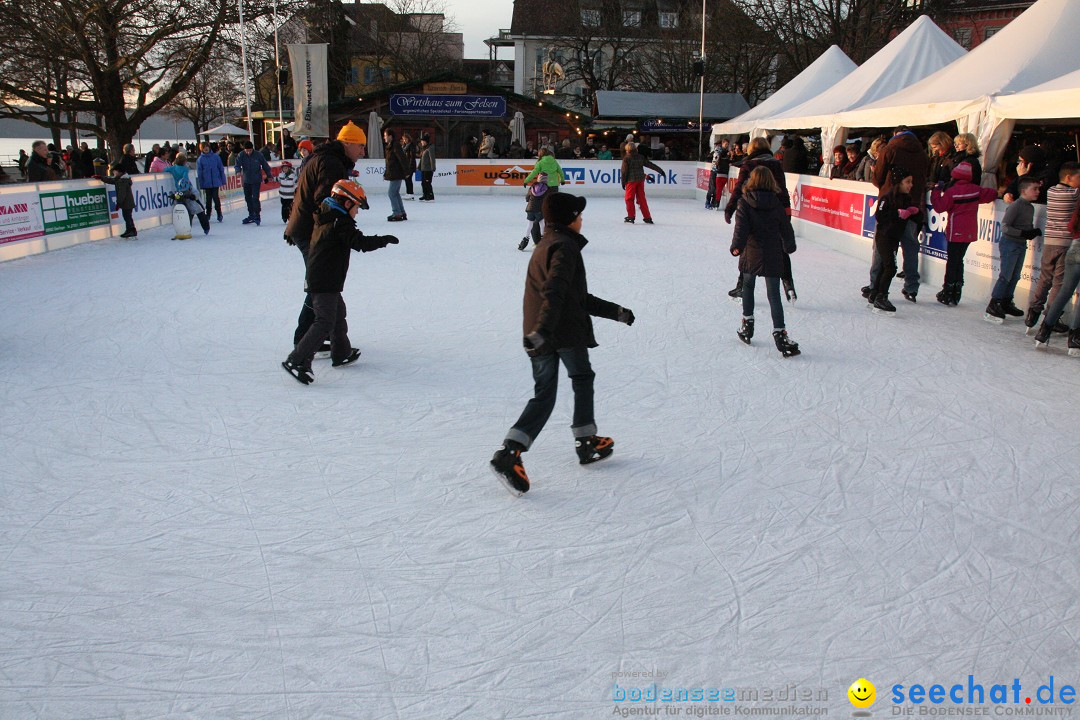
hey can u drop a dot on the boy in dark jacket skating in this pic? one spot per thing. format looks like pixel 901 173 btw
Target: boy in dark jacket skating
pixel 557 326
pixel 125 199
pixel 762 239
pixel 335 237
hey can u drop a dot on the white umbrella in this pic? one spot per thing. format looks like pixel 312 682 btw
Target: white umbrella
pixel 517 128
pixel 226 129
pixel 374 135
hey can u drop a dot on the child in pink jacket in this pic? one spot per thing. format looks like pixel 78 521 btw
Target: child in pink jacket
pixel 961 199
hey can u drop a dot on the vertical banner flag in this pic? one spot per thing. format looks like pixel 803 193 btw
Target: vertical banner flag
pixel 310 93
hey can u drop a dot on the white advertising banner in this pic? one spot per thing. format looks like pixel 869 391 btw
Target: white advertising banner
pixel 311 96
pixel 20 216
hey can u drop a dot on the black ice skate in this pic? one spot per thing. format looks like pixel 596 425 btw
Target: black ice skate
pixel 1042 337
pixel 507 466
pixel 1010 309
pixel 735 293
pixel 523 244
pixel 593 448
pixel 302 373
pixel 352 357
pixel 1032 319
pixel 995 312
pixel 746 332
pixel 789 290
pixel 784 344
pixel 323 353
pixel 882 305
pixel 1074 343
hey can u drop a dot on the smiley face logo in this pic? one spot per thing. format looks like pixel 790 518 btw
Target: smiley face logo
pixel 862 693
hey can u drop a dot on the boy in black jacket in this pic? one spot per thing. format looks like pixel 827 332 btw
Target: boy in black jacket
pixel 558 327
pixel 334 238
pixel 125 198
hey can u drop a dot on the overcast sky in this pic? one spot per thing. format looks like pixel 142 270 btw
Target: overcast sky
pixel 481 19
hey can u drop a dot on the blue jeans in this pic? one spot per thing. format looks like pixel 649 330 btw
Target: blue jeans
pixel 772 289
pixel 909 245
pixel 1067 289
pixel 1012 264
pixel 251 197
pixel 394 192
pixel 545 369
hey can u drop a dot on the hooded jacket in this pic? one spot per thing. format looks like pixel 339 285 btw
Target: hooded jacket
pixel 763 234
pixel 557 302
pixel 762 158
pixel 961 200
pixel 907 152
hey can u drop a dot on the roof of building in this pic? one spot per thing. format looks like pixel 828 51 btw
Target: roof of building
pixel 717 106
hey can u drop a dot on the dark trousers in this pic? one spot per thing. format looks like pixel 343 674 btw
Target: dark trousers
pixel 329 322
pixel 772 289
pixel 307 312
pixel 408 183
pixel 885 257
pixel 129 221
pixel 545 369
pixel 710 194
pixel 251 197
pixel 286 208
pixel 954 265
pixel 425 184
pixel 212 200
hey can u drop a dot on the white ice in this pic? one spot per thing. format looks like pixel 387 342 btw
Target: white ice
pixel 187 532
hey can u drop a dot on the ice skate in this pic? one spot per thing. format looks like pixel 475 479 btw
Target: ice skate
pixel 302 373
pixel 746 332
pixel 508 468
pixel 994 313
pixel 593 448
pixel 349 359
pixel 784 344
pixel 1042 337
pixel 882 306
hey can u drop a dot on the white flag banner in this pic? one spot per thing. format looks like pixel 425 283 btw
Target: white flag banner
pixel 310 92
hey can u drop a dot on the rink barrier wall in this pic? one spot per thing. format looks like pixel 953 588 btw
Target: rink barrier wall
pixel 839 214
pixel 835 213
pixel 37 218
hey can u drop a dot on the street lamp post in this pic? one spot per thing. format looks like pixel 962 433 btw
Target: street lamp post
pixel 701 92
pixel 243 63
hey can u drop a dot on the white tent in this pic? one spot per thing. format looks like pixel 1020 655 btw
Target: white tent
pixel 920 50
pixel 226 129
pixel 1053 100
pixel 831 67
pixel 1036 47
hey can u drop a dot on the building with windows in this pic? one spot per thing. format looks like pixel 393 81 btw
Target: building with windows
pixel 971 22
pixel 567 50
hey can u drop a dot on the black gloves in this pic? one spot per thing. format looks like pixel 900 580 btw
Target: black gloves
pixel 288 240
pixel 735 251
pixel 626 315
pixel 1030 234
pixel 389 240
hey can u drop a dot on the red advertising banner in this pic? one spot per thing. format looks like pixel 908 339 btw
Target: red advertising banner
pixel 836 209
pixel 703 179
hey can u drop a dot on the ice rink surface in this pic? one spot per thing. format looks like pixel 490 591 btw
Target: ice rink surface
pixel 187 532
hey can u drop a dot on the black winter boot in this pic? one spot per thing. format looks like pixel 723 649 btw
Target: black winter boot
pixel 955 293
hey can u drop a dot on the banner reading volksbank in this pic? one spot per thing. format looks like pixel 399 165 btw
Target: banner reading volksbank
pixel 594 173
pixel 74 209
pixel 20 218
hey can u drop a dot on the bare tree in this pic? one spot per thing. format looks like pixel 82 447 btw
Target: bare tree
pixel 214 89
pixel 803 29
pixel 126 59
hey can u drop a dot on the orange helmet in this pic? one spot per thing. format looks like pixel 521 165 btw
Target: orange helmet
pixel 352 191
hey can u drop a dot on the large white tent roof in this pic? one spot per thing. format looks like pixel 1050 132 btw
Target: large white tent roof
pixel 1036 47
pixel 825 72
pixel 1057 98
pixel 920 50
pixel 226 129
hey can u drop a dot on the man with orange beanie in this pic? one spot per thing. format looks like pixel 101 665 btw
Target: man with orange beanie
pixel 327 164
